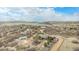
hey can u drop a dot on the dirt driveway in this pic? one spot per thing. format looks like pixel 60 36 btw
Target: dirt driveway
pixel 57 45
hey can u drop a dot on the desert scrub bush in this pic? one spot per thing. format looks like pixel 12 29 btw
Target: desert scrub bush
pixel 76 49
pixel 19 48
pixel 49 39
pixel 36 42
pixel 37 37
pixel 31 49
pixel 75 41
pixel 1 43
pixel 78 38
pixel 10 49
pixel 7 48
pixel 46 44
pixel 77 33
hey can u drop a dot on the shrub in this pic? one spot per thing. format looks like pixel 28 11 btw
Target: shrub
pixel 76 49
pixel 45 44
pixel 75 41
pixel 36 42
pixel 49 39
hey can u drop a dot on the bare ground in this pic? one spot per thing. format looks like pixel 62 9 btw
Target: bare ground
pixel 68 45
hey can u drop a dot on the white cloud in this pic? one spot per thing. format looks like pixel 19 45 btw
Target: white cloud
pixel 4 10
pixel 35 14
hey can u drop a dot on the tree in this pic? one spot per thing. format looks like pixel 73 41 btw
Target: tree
pixel 45 44
pixel 49 39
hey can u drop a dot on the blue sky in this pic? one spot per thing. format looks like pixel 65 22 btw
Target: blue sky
pixel 67 10
pixel 39 14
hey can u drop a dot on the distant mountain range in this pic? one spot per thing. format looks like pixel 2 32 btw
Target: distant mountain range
pixel 46 22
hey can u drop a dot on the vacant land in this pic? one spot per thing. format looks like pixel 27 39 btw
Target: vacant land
pixel 43 36
pixel 70 32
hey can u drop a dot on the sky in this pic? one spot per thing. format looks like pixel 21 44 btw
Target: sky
pixel 39 14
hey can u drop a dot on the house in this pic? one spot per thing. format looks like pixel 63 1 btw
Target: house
pixel 43 36
pixel 55 39
pixel 23 38
pixel 43 27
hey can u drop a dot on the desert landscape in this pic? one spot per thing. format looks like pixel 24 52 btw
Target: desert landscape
pixel 39 36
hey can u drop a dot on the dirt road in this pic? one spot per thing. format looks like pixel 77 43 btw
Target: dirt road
pixel 57 45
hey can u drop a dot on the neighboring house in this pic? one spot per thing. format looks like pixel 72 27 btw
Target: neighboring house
pixel 23 38
pixel 43 36
pixel 55 39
